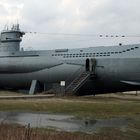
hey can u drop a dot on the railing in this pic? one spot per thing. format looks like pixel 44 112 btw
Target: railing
pixel 82 82
pixel 72 77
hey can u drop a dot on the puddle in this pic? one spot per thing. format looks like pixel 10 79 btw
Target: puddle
pixel 61 122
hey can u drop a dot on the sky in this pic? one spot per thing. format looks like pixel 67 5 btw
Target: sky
pixel 56 24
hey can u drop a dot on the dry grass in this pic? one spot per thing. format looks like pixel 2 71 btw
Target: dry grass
pixel 8 132
pixel 81 108
pixel 17 132
pixel 10 93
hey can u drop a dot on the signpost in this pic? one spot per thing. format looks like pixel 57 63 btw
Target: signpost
pixel 62 84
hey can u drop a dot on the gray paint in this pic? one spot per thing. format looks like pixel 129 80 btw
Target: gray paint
pixel 115 64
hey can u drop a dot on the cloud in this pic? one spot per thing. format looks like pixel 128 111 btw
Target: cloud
pixel 73 16
pixel 11 11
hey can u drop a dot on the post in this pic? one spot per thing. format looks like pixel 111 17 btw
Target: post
pixel 62 84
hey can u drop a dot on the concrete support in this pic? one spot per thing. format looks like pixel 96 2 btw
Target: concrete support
pixel 34 87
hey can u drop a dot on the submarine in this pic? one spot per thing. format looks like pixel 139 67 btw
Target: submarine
pixel 91 70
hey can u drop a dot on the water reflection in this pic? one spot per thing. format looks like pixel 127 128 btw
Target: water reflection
pixel 60 122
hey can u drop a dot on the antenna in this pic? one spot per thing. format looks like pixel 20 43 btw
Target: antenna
pixel 5 27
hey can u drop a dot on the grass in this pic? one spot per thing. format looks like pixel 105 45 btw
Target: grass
pixel 15 132
pixel 133 131
pixel 9 93
pixel 80 108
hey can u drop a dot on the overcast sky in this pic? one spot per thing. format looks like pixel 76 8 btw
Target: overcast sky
pixel 107 17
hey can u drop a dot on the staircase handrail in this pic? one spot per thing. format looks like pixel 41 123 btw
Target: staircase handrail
pixel 82 82
pixel 72 77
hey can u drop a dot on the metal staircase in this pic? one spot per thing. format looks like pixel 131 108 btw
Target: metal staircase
pixel 82 76
pixel 78 82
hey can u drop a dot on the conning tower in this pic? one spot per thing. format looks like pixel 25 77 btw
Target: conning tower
pixel 10 39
